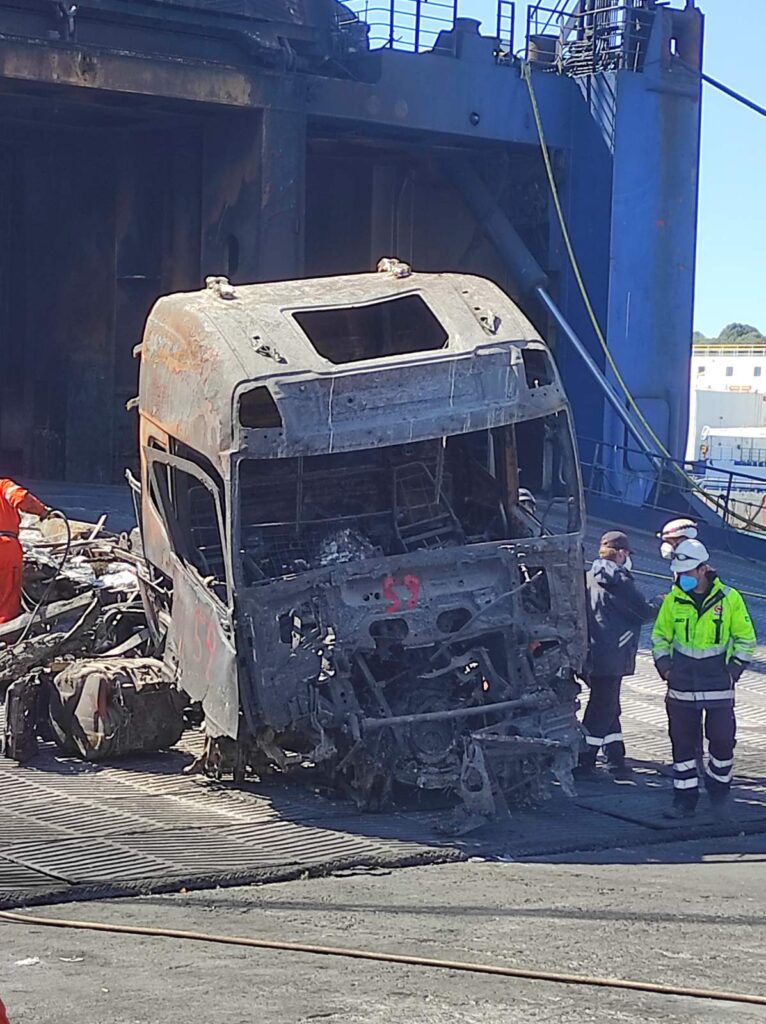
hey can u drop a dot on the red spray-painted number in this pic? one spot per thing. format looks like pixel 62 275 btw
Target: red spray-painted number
pixel 410 583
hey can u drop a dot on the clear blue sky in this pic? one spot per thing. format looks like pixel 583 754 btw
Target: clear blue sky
pixel 731 247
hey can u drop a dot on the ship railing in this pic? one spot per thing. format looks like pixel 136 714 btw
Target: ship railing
pixel 584 37
pixel 505 29
pixel 413 25
pixel 627 475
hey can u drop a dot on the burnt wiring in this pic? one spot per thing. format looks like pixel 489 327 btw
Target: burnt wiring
pixel 53 514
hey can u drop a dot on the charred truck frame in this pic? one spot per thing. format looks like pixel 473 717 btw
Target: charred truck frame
pixel 364 493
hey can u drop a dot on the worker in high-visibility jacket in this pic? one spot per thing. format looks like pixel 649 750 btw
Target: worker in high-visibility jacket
pixel 13 500
pixel 702 640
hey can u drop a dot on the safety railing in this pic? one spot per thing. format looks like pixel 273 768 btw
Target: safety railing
pixel 412 25
pixel 583 37
pixel 628 475
pixel 506 28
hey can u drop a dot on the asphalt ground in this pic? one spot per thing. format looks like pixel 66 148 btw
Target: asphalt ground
pixel 690 914
pixel 606 891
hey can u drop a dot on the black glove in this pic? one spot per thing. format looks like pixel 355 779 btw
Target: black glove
pixel 736 668
pixel 663 666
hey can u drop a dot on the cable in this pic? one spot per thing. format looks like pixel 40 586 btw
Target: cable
pixel 528 973
pixel 54 513
pixel 526 73
pixel 751 104
pixel 731 92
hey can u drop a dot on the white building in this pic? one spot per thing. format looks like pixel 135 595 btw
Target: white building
pixel 728 390
pixel 737 368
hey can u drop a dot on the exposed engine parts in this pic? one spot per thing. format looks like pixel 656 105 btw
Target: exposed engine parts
pixel 362 561
pixel 373 542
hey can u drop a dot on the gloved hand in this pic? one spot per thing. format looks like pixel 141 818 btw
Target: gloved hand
pixel 736 668
pixel 663 666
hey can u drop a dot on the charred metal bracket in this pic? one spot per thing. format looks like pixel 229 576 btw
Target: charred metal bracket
pixel 371 724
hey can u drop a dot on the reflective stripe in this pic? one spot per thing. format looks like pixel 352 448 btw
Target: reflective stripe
pixel 686 783
pixel 593 741
pixel 701 694
pixel 685 766
pixel 720 778
pixel 613 737
pixel 661 647
pixel 699 654
pixel 721 764
pixel 744 652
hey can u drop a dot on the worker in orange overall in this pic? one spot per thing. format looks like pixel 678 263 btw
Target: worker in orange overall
pixel 13 500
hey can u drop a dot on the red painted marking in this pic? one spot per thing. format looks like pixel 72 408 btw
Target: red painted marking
pixel 210 644
pixel 199 620
pixel 412 583
pixel 391 595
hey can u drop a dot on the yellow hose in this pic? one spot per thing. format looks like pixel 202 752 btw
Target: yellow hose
pixel 526 73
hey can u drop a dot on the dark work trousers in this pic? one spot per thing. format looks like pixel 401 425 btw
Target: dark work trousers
pixel 602 721
pixel 684 727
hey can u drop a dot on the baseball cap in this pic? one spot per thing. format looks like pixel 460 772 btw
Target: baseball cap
pixel 615 539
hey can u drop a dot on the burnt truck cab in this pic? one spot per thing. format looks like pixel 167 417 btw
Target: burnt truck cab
pixel 363 494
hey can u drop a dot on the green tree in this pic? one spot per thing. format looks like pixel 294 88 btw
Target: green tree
pixel 740 334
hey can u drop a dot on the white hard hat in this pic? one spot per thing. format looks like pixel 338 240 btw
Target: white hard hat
pixel 679 529
pixel 689 554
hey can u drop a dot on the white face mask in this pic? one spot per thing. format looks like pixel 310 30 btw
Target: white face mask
pixel 666 550
pixel 628 563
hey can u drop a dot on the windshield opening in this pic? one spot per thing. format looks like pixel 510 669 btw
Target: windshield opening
pixel 309 512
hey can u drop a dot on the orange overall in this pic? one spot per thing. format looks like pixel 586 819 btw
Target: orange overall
pixel 13 500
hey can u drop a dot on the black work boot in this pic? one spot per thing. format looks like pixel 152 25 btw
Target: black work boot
pixel 585 769
pixel 623 772
pixel 677 811
pixel 722 808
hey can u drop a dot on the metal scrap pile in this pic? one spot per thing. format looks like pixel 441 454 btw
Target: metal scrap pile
pixel 80 595
pixel 78 663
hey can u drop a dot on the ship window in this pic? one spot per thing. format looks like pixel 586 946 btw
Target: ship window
pixel 375 331
pixel 729 371
pixel 757 371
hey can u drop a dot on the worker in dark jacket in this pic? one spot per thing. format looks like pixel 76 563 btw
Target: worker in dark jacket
pixel 616 611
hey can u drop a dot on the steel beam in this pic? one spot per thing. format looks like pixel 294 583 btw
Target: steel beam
pixel 82 68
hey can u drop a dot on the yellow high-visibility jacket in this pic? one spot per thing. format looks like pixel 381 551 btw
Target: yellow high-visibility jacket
pixel 702 652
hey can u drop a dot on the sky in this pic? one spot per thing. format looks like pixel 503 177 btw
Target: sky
pixel 731 244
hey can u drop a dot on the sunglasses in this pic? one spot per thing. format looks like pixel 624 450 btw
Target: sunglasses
pixel 685 558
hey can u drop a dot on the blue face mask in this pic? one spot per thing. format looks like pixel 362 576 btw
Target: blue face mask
pixel 687 583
